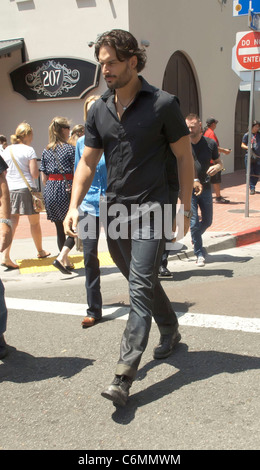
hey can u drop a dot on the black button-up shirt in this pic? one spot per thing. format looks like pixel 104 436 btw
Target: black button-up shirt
pixel 136 147
pixel 204 152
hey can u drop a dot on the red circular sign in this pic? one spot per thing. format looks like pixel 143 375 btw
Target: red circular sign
pixel 248 51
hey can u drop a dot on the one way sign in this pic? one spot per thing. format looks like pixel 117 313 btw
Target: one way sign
pixel 241 7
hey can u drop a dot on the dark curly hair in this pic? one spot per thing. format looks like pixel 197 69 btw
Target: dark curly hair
pixel 125 45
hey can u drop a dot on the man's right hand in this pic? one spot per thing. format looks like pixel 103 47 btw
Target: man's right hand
pixel 70 222
pixel 198 188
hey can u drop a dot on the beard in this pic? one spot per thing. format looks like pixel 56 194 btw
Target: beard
pixel 120 80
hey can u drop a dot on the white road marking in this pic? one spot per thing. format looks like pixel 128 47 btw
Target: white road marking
pixel 250 325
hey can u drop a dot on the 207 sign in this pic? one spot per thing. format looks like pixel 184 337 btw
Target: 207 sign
pixel 55 78
pixel 52 78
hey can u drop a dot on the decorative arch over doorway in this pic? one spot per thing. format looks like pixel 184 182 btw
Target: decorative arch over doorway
pixel 179 80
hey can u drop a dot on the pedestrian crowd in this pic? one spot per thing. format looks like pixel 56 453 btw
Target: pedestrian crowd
pixel 136 149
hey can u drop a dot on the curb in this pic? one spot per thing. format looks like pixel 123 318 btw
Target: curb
pixel 231 241
pixel 248 237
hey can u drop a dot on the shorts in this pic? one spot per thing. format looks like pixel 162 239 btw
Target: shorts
pixel 216 178
pixel 21 202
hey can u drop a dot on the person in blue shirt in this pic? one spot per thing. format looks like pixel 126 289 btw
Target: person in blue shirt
pixel 255 156
pixel 89 230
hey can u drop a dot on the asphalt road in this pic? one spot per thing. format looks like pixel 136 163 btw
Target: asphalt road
pixel 204 397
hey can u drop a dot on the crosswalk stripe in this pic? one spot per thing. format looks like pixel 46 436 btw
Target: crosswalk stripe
pixel 250 325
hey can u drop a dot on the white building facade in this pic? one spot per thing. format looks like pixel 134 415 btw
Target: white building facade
pixel 189 47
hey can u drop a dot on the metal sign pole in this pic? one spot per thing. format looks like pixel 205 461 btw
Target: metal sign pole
pixel 249 153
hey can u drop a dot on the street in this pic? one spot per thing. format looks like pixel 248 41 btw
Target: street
pixel 203 397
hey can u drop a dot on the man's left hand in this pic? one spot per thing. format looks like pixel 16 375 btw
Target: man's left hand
pixel 214 169
pixel 186 227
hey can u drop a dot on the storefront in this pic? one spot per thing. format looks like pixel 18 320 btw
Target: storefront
pixel 47 67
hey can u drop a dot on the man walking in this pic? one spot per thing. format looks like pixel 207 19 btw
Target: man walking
pixel 204 151
pixel 134 123
pixel 209 131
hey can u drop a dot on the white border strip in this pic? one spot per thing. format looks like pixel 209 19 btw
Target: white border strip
pixel 250 325
pixel 249 51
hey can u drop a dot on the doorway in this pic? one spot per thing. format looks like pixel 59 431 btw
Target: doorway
pixel 179 80
pixel 241 127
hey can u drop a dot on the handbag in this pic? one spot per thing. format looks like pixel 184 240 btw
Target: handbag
pixel 37 197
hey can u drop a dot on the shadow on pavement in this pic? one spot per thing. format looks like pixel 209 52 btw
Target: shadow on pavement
pixel 21 367
pixel 188 367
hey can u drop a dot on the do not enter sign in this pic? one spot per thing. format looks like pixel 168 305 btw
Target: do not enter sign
pixel 248 51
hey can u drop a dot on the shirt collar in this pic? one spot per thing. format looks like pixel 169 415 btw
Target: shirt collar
pixel 146 87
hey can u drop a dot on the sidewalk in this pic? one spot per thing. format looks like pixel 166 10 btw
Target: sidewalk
pixel 230 228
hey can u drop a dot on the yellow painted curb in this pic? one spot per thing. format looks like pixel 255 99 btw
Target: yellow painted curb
pixel 35 265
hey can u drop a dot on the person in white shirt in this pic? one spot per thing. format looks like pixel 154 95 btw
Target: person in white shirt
pixel 21 199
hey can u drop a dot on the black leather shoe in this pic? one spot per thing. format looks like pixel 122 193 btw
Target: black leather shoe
pixel 164 272
pixel 222 200
pixel 3 348
pixel 118 391
pixel 61 268
pixel 166 345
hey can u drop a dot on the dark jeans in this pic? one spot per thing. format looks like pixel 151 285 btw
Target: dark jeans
pixel 254 171
pixel 139 259
pixel 91 263
pixel 198 225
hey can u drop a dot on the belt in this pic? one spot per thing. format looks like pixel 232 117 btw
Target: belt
pixel 59 177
